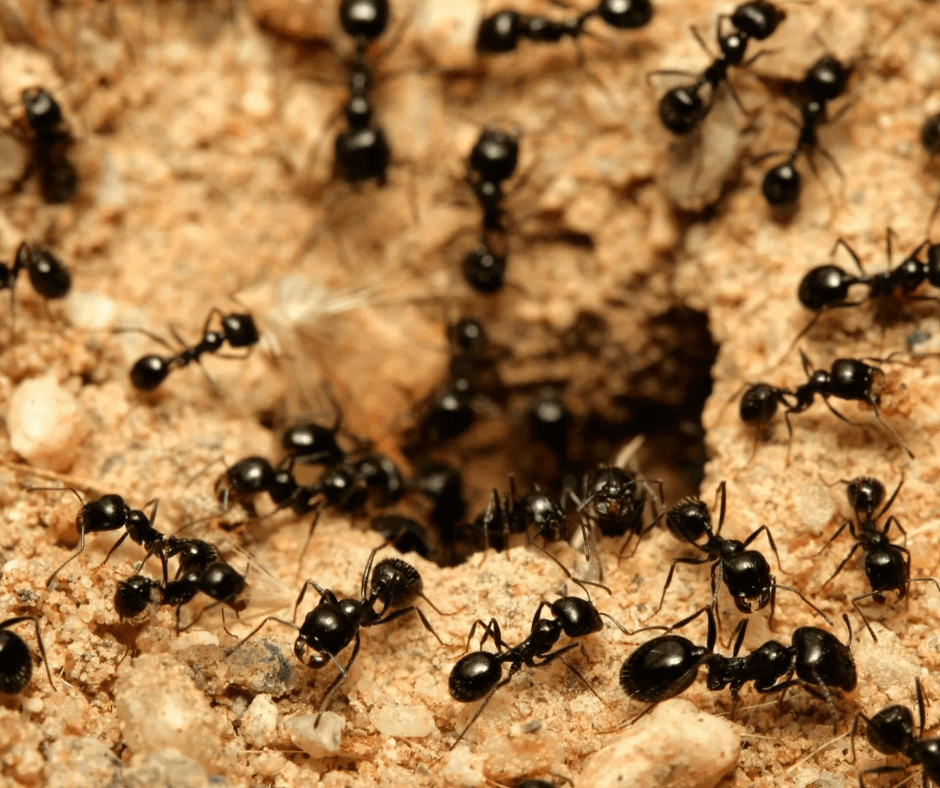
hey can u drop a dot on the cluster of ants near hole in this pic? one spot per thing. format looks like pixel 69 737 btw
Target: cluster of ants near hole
pixel 608 502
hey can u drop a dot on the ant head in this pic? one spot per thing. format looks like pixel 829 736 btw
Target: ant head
pixel 827 78
pixel 891 729
pixel 930 134
pixel 759 404
pixel 495 155
pixel 781 186
pixel 499 33
pixel 251 475
pixel 484 270
pixel 468 336
pixel 311 442
pixel 757 19
pixel 133 596
pixel 43 112
pixel 474 676
pixel 770 661
pixel 865 494
pixel 681 109
pixel 549 418
pixel 364 19
pixel 107 513
pixel 625 14
pixel 824 286
pixel 240 330
pixel 690 520
pixel 362 154
pixel 578 617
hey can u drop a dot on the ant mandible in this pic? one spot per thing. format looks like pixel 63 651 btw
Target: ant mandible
pixel 501 32
pixel 667 665
pixel 16 663
pixel 238 329
pixel 849 379
pixel 891 732
pixel 825 81
pixel 887 566
pixel 745 573
pixel 50 141
pixel 335 623
pixel 682 108
pixel 47 274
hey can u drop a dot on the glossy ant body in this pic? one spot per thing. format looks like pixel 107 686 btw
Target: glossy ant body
pixel 492 161
pixel 47 274
pixel 335 623
pixel 891 732
pixel 111 513
pixel 613 500
pixel 849 379
pixel 237 329
pixel 16 663
pixel 887 566
pixel 825 81
pixel 682 108
pixel 50 140
pixel 667 665
pixel 361 152
pixel 745 573
pixel 477 675
pixel 826 287
pixel 501 32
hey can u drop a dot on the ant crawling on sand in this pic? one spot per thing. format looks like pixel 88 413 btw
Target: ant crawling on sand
pixel 50 141
pixel 501 32
pixel 237 329
pixel 849 379
pixel 667 665
pixel 682 108
pixel 744 572
pixel 825 81
pixel 16 663
pixel 887 566
pixel 891 732
pixel 335 623
pixel 47 274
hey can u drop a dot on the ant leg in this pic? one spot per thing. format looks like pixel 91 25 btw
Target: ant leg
pixel 701 41
pixel 897 438
pixel 149 334
pixel 116 545
pixel 344 674
pixel 770 539
pixel 845 245
pixel 258 629
pixel 567 572
pixel 848 558
pixel 581 676
pixel 479 711
pixel 796 591
pixel 840 415
pixel 828 697
pixel 81 548
pixel 672 570
pixel 920 706
pixel 887 506
pixel 836 536
pixel 882 770
pixel 303 552
pixel 325 594
pixel 721 492
pixel 400 613
pixel 669 72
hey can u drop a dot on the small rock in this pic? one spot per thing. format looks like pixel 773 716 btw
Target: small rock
pixel 167 769
pixel 674 746
pixel 403 721
pixel 317 741
pixel 94 311
pixel 464 768
pixel 47 426
pixel 259 722
pixel 77 762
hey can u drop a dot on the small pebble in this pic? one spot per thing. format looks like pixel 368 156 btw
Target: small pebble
pixel 47 427
pixel 403 721
pixel 320 741
pixel 259 722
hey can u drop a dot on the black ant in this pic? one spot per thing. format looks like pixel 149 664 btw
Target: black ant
pixel 667 665
pixel 826 287
pixel 362 151
pixel 477 675
pixel 403 533
pixel 492 161
pixel 682 108
pixel 51 141
pixel 744 572
pixel 825 81
pixel 891 732
pixel 111 513
pixel 887 566
pixel 335 623
pixel 502 31
pixel 16 663
pixel 47 274
pixel 849 379
pixel 238 329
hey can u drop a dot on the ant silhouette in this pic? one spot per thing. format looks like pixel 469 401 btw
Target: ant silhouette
pixel 681 109
pixel 50 141
pixel 891 732
pixel 335 623
pixel 667 665
pixel 744 572
pixel 887 566
pixel 111 513
pixel 238 329
pixel 826 287
pixel 16 663
pixel 47 274
pixel 849 379
pixel 479 674
pixel 825 81
pixel 501 32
